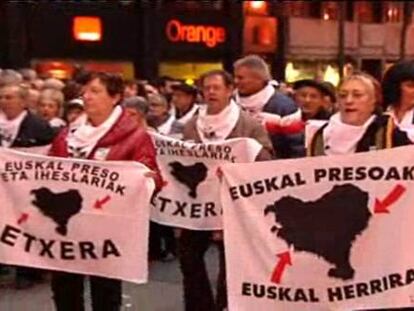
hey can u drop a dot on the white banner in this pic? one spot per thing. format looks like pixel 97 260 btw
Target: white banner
pixel 191 195
pixel 322 233
pixel 77 216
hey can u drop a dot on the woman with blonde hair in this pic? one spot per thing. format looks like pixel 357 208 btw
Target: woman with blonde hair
pixel 50 107
pixel 359 124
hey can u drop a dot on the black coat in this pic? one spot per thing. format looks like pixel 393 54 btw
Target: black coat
pixel 33 132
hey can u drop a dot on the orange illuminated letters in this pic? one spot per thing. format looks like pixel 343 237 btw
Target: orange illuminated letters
pixel 209 35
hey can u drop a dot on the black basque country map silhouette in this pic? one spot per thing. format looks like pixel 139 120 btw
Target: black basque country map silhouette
pixel 189 175
pixel 326 227
pixel 60 207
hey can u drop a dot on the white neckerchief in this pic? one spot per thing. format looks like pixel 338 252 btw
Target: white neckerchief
pixel 217 127
pixel 10 128
pixel 57 122
pixel 341 138
pixel 165 128
pixel 83 137
pixel 406 125
pixel 255 103
pixel 189 114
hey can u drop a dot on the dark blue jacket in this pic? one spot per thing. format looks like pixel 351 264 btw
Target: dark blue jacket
pixel 286 146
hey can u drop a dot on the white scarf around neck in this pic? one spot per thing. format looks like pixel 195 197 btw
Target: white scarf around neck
pixel 406 124
pixel 340 138
pixel 165 128
pixel 10 128
pixel 83 137
pixel 217 127
pixel 254 103
pixel 188 115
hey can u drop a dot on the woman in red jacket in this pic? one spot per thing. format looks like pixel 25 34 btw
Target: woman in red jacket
pixel 105 132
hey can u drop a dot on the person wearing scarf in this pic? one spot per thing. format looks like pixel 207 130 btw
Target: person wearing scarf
pixel 256 94
pixel 20 128
pixel 105 133
pixel 398 94
pixel 220 118
pixel 358 126
pixel 184 106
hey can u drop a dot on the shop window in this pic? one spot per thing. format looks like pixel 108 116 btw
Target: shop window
pixel 392 11
pixel 188 71
pixel 330 10
pixel 296 8
pixel 368 11
pixel 321 71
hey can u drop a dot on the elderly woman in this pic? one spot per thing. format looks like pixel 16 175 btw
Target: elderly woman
pixel 50 107
pixel 358 125
pixel 105 132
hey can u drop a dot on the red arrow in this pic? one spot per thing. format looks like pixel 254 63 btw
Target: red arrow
pixel 381 207
pixel 23 217
pixel 284 260
pixel 99 203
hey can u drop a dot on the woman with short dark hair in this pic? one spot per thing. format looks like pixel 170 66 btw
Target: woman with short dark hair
pixel 106 133
pixel 398 94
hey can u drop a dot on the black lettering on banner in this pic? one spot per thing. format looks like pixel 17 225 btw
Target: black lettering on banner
pixel 284 294
pixel 335 294
pixel 195 210
pixel 109 248
pixel 164 202
pixel 392 174
pixel 209 209
pixel 300 296
pixel 87 249
pixel 9 235
pixel 271 292
pixel 360 173
pixel 246 289
pixel 46 248
pixel 349 291
pixel 271 184
pixel 334 174
pixel 120 189
pixel 395 280
pixel 409 277
pixel 376 173
pixel 408 173
pixel 180 208
pixel 66 250
pixel 259 290
pixel 233 195
pixel 362 289
pixel 29 239
pixel 375 286
pixel 319 174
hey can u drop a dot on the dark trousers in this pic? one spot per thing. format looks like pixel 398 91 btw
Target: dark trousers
pixel 198 295
pixel 68 289
pixel 161 241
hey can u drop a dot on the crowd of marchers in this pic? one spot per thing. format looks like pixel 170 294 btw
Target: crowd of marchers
pixel 93 109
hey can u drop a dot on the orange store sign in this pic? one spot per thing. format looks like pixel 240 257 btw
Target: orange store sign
pixel 208 35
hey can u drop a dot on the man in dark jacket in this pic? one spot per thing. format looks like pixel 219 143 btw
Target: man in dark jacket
pixel 256 95
pixel 19 128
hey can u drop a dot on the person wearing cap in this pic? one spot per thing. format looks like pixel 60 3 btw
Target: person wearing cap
pixel 73 109
pixel 310 95
pixel 184 105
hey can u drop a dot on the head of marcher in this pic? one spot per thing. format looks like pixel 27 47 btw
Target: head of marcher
pixel 50 104
pixel 310 97
pixel 251 75
pixel 12 100
pixel 359 97
pixel 101 93
pixel 217 89
pixel 158 111
pixel 136 107
pixel 73 109
pixel 398 87
pixel 183 97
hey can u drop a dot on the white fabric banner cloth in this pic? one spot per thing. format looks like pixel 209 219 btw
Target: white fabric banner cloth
pixel 77 216
pixel 322 233
pixel 190 197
